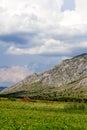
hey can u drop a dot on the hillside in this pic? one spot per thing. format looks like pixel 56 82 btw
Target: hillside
pixel 67 79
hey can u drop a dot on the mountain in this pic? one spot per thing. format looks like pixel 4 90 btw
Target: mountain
pixel 67 79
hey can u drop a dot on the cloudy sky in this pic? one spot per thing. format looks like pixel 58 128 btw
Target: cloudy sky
pixel 36 35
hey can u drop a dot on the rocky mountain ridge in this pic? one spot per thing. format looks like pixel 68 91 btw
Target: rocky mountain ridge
pixel 69 78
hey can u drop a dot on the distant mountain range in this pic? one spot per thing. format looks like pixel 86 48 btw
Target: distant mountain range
pixel 2 88
pixel 67 79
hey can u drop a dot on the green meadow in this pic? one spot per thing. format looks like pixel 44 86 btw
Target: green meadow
pixel 42 115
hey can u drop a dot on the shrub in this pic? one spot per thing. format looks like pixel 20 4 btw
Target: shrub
pixel 75 107
pixel 11 98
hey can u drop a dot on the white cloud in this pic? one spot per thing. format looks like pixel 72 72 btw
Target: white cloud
pixel 26 15
pixel 14 73
pixel 70 18
pixel 77 16
pixel 53 28
pixel 50 46
pixel 32 15
pixel 81 9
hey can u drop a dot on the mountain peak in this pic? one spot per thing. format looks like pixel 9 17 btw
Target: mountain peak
pixel 81 55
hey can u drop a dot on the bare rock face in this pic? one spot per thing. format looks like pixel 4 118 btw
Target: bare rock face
pixel 67 71
pixel 70 72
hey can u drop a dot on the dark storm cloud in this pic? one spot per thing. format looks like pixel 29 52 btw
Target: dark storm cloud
pixel 18 38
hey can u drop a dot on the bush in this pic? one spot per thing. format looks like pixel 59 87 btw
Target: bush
pixel 75 107
pixel 11 98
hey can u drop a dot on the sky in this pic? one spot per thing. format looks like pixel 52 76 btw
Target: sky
pixel 35 35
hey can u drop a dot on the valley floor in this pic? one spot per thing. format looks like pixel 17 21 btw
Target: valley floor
pixel 42 115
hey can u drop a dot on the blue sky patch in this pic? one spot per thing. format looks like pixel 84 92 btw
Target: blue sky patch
pixel 68 5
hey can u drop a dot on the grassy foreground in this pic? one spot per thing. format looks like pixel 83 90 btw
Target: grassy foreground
pixel 41 115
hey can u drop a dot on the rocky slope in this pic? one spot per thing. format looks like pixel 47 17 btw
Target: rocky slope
pixel 67 79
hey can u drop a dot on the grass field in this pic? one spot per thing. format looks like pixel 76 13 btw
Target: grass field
pixel 41 115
